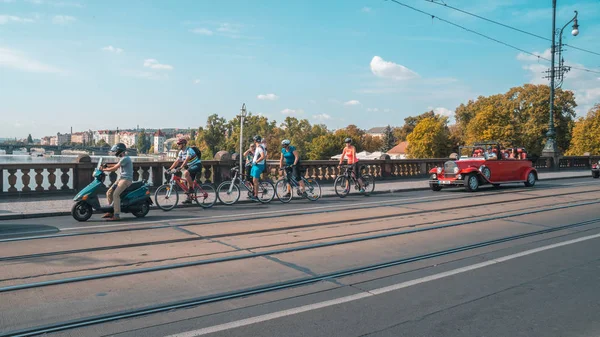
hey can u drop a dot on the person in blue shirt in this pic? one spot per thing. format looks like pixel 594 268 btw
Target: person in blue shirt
pixel 187 156
pixel 290 155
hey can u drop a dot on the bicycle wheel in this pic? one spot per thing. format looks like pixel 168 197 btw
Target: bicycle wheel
pixel 312 189
pixel 266 192
pixel 206 196
pixel 369 183
pixel 281 189
pixel 341 185
pixel 166 197
pixel 227 197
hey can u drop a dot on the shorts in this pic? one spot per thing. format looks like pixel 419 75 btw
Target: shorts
pixel 257 170
pixel 294 171
pixel 194 170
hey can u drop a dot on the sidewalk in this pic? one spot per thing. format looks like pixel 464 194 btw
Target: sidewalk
pixel 34 207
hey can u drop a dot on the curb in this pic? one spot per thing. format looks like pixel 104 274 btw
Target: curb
pixel 390 191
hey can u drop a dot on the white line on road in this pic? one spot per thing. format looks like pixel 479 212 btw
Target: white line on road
pixel 379 291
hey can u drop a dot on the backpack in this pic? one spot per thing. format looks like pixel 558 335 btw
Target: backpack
pixel 197 152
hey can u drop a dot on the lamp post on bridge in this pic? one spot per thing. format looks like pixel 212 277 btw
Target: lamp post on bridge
pixel 242 117
pixel 551 149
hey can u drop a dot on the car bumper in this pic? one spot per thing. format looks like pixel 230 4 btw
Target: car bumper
pixel 447 183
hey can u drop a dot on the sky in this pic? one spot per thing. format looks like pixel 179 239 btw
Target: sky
pixel 107 64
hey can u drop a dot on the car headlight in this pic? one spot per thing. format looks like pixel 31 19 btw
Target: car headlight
pixel 434 176
pixel 459 177
pixel 456 170
pixel 439 170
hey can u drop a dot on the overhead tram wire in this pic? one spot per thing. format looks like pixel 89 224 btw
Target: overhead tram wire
pixel 470 30
pixel 507 26
pixel 539 57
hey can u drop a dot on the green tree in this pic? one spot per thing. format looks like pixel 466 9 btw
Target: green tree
pixel 142 143
pixel 389 140
pixel 151 150
pixel 410 122
pixel 586 134
pixel 326 146
pixel 214 133
pixel 102 143
pixel 429 139
pixel 29 139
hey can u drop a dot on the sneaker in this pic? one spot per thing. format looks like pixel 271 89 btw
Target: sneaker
pixel 107 215
pixel 253 198
pixel 114 218
pixel 362 190
pixel 287 195
pixel 187 201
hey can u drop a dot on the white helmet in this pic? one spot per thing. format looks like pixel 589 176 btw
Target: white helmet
pixel 285 142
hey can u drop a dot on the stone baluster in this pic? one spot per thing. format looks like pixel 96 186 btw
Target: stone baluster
pixel 51 179
pixel 25 179
pixel 39 179
pixel 64 178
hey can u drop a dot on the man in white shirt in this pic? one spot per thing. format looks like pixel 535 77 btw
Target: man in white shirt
pixel 259 163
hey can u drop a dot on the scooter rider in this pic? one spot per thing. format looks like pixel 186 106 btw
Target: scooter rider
pixel 125 180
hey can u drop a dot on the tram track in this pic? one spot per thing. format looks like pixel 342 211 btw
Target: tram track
pixel 274 230
pixel 192 302
pixel 280 251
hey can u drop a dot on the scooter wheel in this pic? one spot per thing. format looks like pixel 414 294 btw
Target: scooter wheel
pixel 81 211
pixel 143 211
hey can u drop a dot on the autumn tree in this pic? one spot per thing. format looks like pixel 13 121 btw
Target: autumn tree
pixel 429 139
pixel 371 144
pixel 401 134
pixel 586 134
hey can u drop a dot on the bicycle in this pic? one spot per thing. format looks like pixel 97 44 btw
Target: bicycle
pixel 204 195
pixel 229 191
pixel 312 189
pixel 343 182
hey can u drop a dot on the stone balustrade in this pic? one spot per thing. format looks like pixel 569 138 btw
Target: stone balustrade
pixel 51 178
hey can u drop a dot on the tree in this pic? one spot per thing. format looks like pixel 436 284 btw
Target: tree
pixel 371 144
pixel 151 150
pixel 214 134
pixel 102 143
pixel 410 122
pixel 586 134
pixel 429 139
pixel 389 140
pixel 327 146
pixel 142 143
pixel 29 139
pixel 518 118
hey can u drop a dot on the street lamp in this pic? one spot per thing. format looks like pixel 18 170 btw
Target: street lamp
pixel 551 150
pixel 242 117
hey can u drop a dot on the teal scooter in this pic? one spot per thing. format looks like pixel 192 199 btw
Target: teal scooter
pixel 135 199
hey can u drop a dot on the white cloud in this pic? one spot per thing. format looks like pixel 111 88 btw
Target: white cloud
pixel 366 10
pixel 321 117
pixel 352 102
pixel 112 49
pixel 228 28
pixel 202 31
pixel 153 64
pixel 372 109
pixel 14 59
pixel 442 111
pixel 196 81
pixel 385 69
pixel 267 97
pixel 62 19
pixel 4 19
pixel 290 112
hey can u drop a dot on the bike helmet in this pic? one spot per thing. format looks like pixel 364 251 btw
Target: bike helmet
pixel 118 149
pixel 257 139
pixel 348 140
pixel 285 142
pixel 182 141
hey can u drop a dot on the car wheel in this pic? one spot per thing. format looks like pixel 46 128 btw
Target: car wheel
pixel 472 182
pixel 530 179
pixel 596 174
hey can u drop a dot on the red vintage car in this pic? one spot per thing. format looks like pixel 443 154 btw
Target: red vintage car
pixel 484 163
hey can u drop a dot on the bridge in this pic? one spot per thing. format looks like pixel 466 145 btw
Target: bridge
pixel 404 261
pixel 10 148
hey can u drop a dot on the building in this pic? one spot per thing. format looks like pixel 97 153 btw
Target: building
pixel 107 136
pixel 63 138
pixel 46 141
pixel 159 141
pixel 84 138
pixel 54 141
pixel 398 151
pixel 377 132
pixel 128 138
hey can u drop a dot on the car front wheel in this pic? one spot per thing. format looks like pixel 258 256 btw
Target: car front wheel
pixel 471 182
pixel 530 179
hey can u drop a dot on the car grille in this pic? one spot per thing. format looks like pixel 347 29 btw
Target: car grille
pixel 449 169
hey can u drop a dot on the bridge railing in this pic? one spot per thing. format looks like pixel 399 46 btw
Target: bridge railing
pixel 52 178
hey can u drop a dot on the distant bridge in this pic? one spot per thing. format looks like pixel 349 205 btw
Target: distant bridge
pixel 10 148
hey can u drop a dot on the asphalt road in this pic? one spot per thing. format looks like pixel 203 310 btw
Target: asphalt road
pixel 547 289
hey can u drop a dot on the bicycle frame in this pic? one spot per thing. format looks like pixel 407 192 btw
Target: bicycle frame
pixel 350 175
pixel 292 180
pixel 237 180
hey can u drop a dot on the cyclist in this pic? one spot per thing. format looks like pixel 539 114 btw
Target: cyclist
pixel 350 153
pixel 292 158
pixel 187 156
pixel 259 163
pixel 125 180
pixel 249 156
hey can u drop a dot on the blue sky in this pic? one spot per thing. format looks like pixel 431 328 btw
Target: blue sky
pixel 107 64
